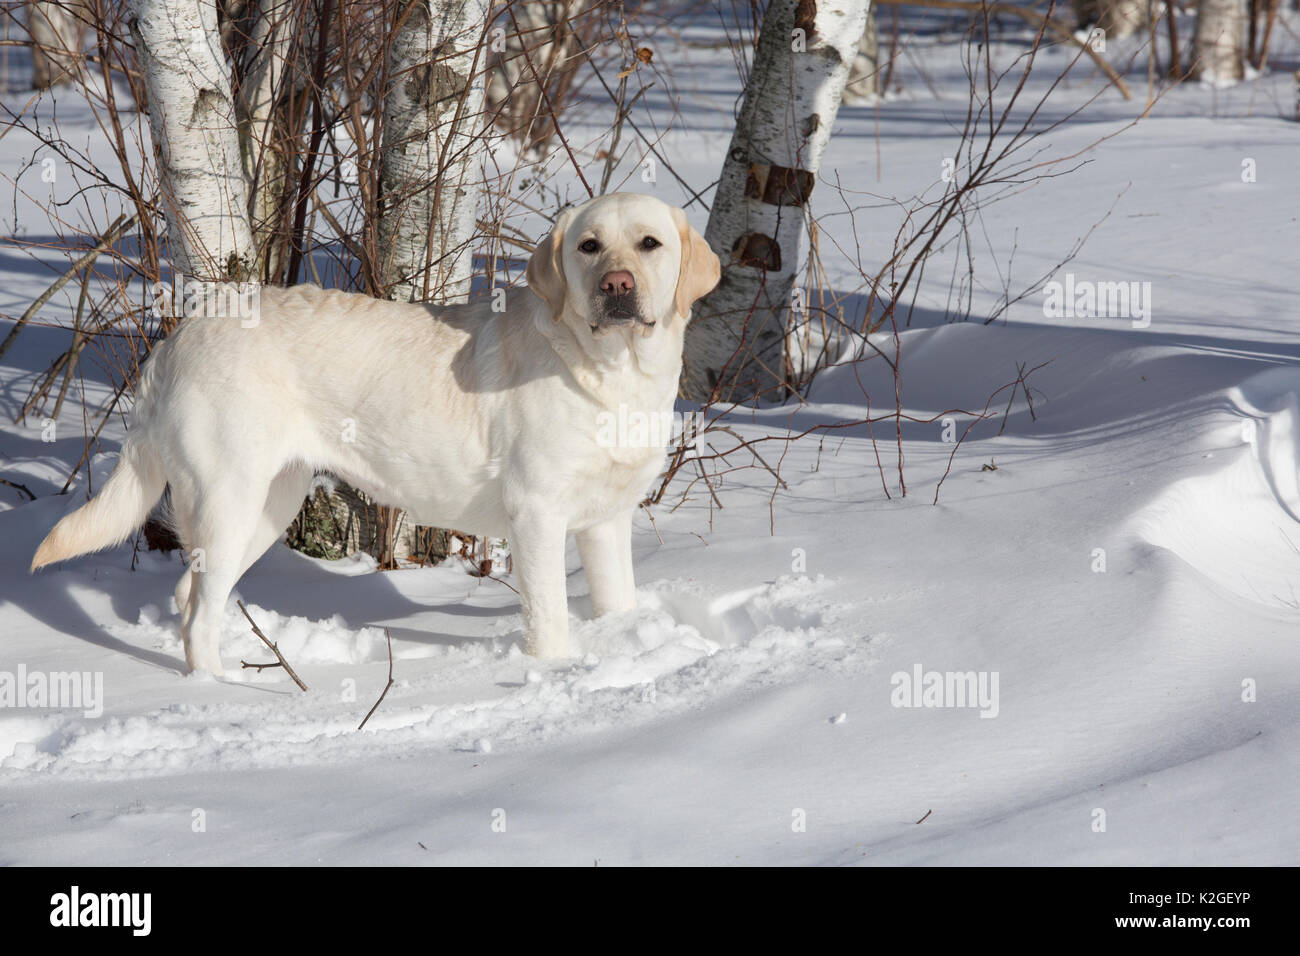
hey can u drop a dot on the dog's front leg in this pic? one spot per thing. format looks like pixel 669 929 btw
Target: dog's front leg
pixel 537 553
pixel 606 551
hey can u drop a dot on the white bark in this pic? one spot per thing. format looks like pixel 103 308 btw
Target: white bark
pixel 546 42
pixel 1122 18
pixel 264 79
pixel 805 49
pixel 430 181
pixel 56 28
pixel 1219 55
pixel 192 120
pixel 863 87
pixel 1118 18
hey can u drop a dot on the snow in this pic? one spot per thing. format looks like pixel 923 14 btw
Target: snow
pixel 1130 570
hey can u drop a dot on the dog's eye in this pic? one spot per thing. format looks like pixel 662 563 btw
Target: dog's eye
pixel 650 242
pixel 589 246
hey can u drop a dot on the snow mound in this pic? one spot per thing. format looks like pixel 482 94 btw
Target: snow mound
pixel 678 623
pixel 1239 526
pixel 301 641
pixel 678 650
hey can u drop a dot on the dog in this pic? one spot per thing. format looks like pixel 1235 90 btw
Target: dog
pixel 465 417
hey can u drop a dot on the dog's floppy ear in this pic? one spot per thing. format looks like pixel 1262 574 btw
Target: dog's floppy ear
pixel 700 269
pixel 546 268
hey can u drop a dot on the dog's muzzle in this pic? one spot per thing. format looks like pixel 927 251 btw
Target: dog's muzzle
pixel 619 311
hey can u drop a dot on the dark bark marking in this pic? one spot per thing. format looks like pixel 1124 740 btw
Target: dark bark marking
pixel 758 251
pixel 805 17
pixel 778 185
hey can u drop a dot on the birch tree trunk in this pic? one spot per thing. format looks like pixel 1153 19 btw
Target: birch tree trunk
pixel 430 182
pixel 261 126
pixel 863 87
pixel 192 120
pixel 801 65
pixel 1118 18
pixel 56 30
pixel 1219 55
pixel 429 179
pixel 1122 18
pixel 545 41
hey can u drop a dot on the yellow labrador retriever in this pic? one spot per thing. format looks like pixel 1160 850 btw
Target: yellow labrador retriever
pixel 466 417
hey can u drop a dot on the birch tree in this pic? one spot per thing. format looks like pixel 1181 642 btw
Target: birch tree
pixel 429 185
pixel 1118 18
pixel 1219 55
pixel 192 121
pixel 533 64
pixel 56 28
pixel 429 182
pixel 736 342
pixel 260 125
pixel 863 87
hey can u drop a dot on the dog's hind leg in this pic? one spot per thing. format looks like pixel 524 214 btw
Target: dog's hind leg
pixel 283 502
pixel 235 529
pixel 182 516
pixel 184 590
pixel 227 521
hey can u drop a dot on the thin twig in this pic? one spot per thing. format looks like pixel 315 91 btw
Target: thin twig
pixel 274 649
pixel 23 488
pixel 386 686
pixel 119 226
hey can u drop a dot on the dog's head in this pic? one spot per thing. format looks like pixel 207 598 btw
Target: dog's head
pixel 622 263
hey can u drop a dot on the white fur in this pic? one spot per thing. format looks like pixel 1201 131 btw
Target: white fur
pixel 467 418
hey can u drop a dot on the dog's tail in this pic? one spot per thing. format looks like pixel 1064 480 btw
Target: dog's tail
pixel 107 519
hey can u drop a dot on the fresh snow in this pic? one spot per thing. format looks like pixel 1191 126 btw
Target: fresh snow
pixel 744 713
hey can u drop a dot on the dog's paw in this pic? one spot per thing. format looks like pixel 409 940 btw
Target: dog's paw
pixel 206 673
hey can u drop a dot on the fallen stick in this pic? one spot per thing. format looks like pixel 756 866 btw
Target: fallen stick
pixel 274 650
pixel 23 488
pixel 386 686
pixel 260 667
